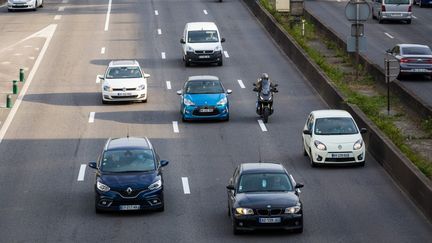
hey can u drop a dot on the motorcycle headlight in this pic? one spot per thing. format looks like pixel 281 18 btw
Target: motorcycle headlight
pixel 294 209
pixel 141 87
pixel 223 101
pixel 358 145
pixel 244 211
pixel 188 102
pixel 155 185
pixel 107 88
pixel 189 49
pixel 102 187
pixel 320 145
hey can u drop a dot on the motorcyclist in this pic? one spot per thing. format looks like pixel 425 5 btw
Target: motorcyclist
pixel 264 77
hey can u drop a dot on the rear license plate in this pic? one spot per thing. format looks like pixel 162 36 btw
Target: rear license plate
pixel 396 15
pixel 124 94
pixel 203 57
pixel 269 220
pixel 130 207
pixel 341 155
pixel 420 70
pixel 206 110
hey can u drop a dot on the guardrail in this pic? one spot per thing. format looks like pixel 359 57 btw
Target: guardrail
pixel 415 184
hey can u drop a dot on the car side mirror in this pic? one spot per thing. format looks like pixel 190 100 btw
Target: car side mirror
pixel 388 51
pixel 92 165
pixel 363 130
pixel 229 91
pixel 222 40
pixel 164 163
pixel 101 78
pixel 254 84
pixel 182 41
pixel 255 89
pixel 179 92
pixel 299 185
pixel 146 75
pixel 230 187
pixel 307 132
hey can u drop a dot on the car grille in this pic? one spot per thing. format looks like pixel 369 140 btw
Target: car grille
pixel 128 89
pixel 20 6
pixel 133 194
pixel 203 52
pixel 269 212
pixel 124 97
pixel 197 112
pixel 349 159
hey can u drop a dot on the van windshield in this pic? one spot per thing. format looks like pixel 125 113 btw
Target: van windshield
pixel 397 1
pixel 202 36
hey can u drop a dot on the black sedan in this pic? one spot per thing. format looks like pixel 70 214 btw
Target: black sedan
pixel 129 176
pixel 264 196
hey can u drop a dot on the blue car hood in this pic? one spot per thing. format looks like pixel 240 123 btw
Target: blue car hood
pixel 205 99
pixel 125 180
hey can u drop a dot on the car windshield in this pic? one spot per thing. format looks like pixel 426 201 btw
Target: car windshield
pixel 123 72
pixel 204 87
pixel 397 1
pixel 202 36
pixel 416 50
pixel 264 182
pixel 128 160
pixel 335 126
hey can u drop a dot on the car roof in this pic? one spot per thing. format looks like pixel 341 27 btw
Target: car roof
pixel 201 26
pixel 202 77
pixel 128 143
pixel 413 45
pixel 330 113
pixel 123 63
pixel 263 167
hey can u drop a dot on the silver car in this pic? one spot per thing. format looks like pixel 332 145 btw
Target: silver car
pixel 24 4
pixel 392 10
pixel 413 58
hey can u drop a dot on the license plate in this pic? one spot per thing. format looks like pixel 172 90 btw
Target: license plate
pixel 269 220
pixel 418 70
pixel 341 155
pixel 124 94
pixel 204 56
pixel 130 207
pixel 206 110
pixel 396 15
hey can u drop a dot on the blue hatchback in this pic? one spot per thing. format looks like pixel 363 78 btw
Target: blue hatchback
pixel 129 176
pixel 204 97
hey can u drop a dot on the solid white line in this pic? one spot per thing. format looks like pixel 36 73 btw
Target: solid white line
pixel 387 34
pixel 163 55
pixel 226 54
pixel 81 172
pixel 48 33
pixel 92 117
pixel 31 58
pixel 168 84
pixel 108 15
pixel 241 84
pixel 205 12
pixel 27 46
pixel 175 127
pixel 159 32
pixel 185 183
pixel 103 50
pixel 98 78
pixel 156 12
pixel 61 9
pixel 57 17
pixel 263 127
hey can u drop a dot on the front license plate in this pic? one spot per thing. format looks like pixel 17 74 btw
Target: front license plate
pixel 204 57
pixel 206 110
pixel 269 220
pixel 130 207
pixel 124 94
pixel 341 155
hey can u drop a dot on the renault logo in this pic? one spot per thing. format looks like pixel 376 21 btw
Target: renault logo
pixel 268 206
pixel 124 89
pixel 129 190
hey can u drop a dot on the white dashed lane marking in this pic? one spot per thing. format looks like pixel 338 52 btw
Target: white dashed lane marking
pixel 168 84
pixel 107 18
pixel 103 50
pixel 61 9
pixel 5 63
pixel 414 17
pixel 91 117
pixel 81 172
pixel 57 17
pixel 389 36
pixel 185 183
pixel 159 32
pixel 175 127
pixel 226 54
pixel 241 84
pixel 205 12
pixel 65 1
pixel 262 126
pixel 156 12
pixel 163 55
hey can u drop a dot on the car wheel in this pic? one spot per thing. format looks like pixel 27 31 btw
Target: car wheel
pixel 227 118
pixel 229 211
pixel 98 211
pixel 298 231
pixel 105 102
pixel 187 63
pixel 183 118
pixel 220 63
pixel 304 150
pixel 236 231
pixel 312 163
pixel 361 164
pixel 144 101
pixel 161 209
pixel 408 21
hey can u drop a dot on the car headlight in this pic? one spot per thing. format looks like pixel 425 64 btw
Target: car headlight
pixel 141 87
pixel 218 48
pixel 102 187
pixel 190 49
pixel 358 145
pixel 320 145
pixel 107 88
pixel 294 209
pixel 188 102
pixel 155 185
pixel 223 101
pixel 244 211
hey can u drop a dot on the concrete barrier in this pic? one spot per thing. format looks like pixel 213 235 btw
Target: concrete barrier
pixel 415 184
pixel 2 2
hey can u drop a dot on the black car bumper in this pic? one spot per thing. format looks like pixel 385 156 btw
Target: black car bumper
pixel 287 222
pixel 204 58
pixel 113 201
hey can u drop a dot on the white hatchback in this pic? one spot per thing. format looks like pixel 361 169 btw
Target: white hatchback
pixel 124 81
pixel 332 137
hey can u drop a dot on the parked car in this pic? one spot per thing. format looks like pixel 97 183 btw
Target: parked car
pixel 332 137
pixel 128 176
pixel 264 196
pixel 24 4
pixel 423 3
pixel 201 43
pixel 124 81
pixel 413 59
pixel 204 97
pixel 392 10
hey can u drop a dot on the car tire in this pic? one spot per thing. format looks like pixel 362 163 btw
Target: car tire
pixel 361 164
pixel 312 163
pixel 304 150
pixel 227 118
pixel 298 231
pixel 408 21
pixel 229 211
pixel 187 63
pixel 144 101
pixel 220 63
pixel 98 211
pixel 183 118
pixel 105 102
pixel 161 209
pixel 236 231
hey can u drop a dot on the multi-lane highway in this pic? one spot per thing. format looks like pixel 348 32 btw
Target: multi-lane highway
pixel 61 124
pixel 381 37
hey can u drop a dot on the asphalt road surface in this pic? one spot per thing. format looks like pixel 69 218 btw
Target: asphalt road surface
pixel 53 134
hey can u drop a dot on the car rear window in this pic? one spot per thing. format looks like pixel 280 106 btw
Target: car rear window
pixel 397 1
pixel 416 50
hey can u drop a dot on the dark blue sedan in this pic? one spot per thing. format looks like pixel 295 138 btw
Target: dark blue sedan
pixel 129 176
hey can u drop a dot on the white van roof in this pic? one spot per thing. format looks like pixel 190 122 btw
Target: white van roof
pixel 201 26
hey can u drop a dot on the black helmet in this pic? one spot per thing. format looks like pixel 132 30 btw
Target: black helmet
pixel 264 76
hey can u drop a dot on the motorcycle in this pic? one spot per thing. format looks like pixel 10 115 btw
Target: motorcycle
pixel 264 104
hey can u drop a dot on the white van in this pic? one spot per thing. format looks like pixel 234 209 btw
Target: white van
pixel 201 43
pixel 392 10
